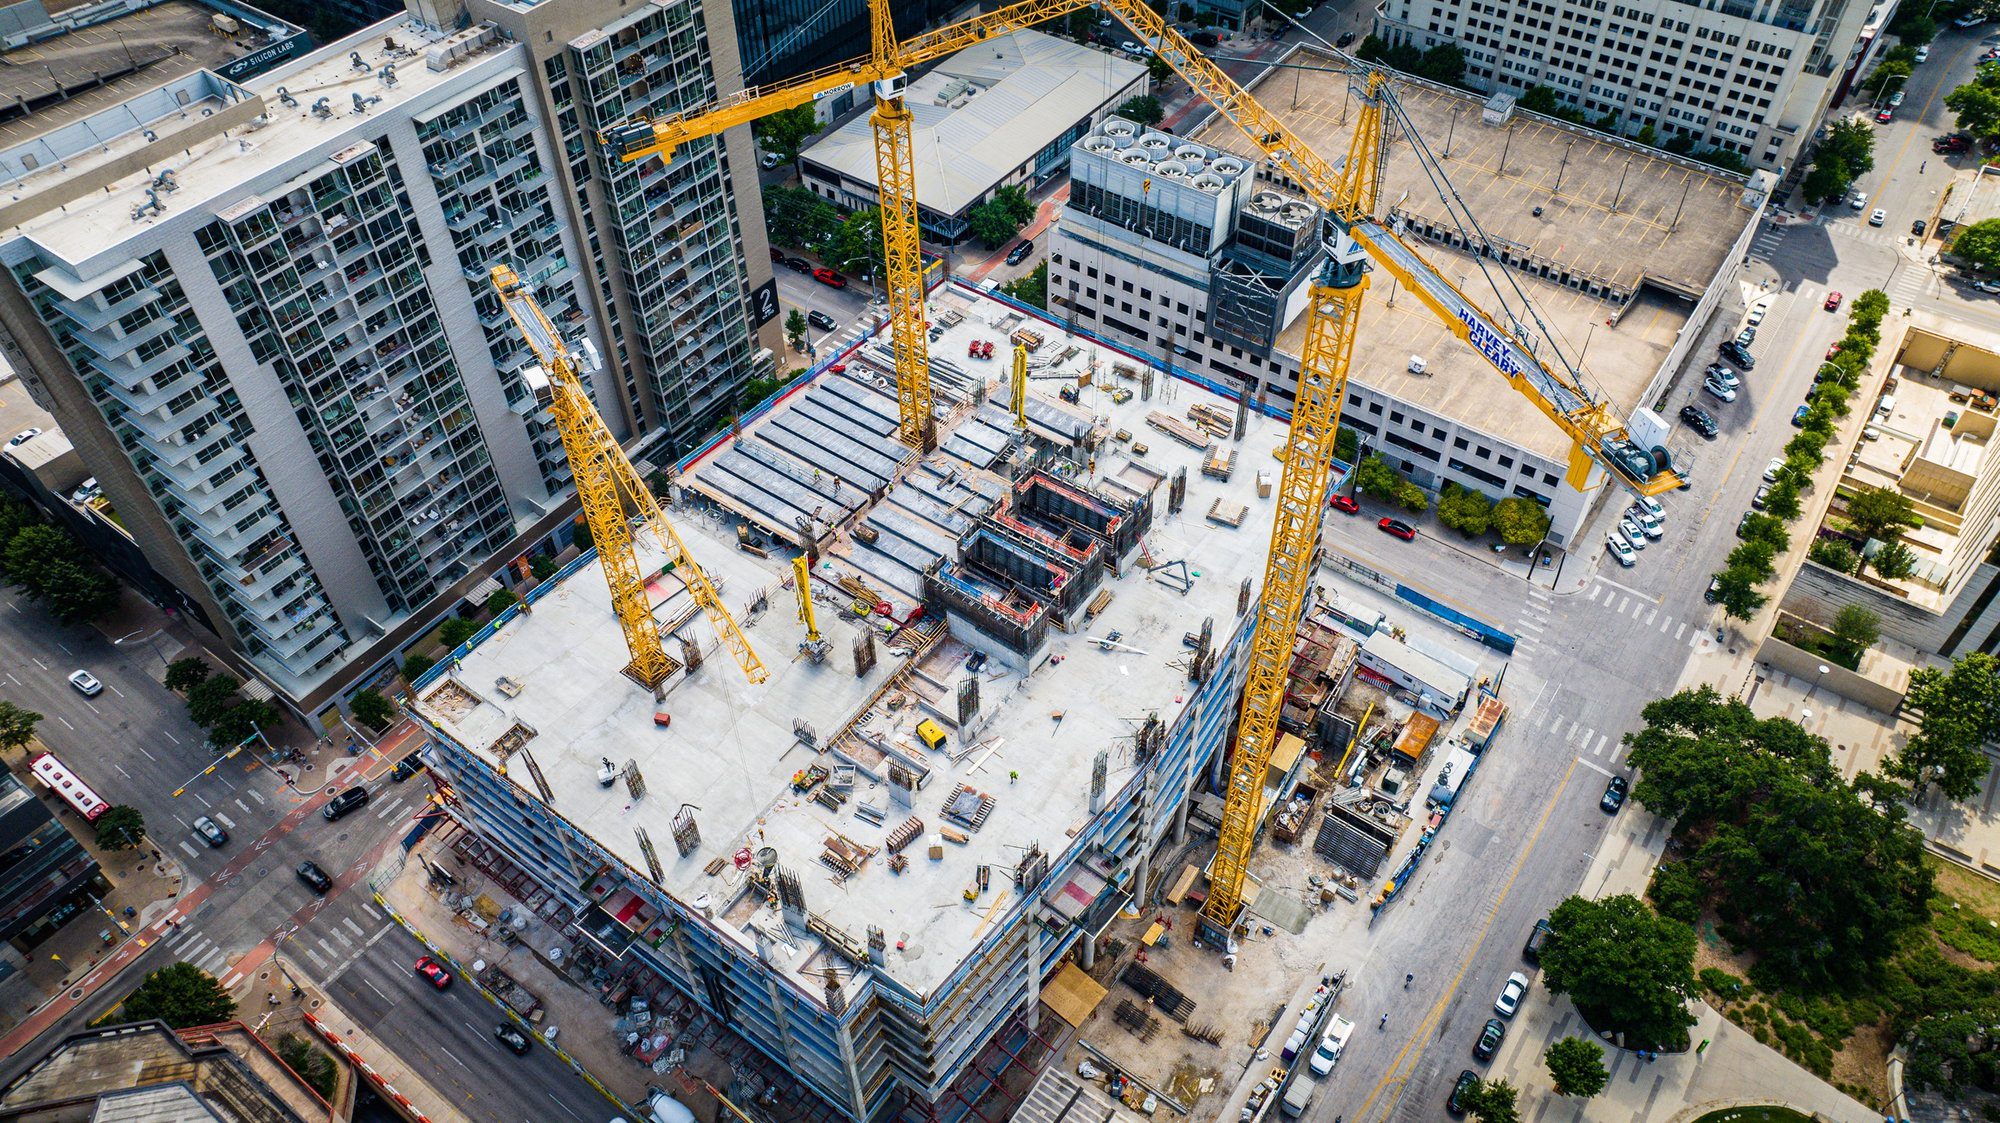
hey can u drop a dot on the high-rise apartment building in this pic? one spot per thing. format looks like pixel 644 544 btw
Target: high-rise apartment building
pixel 1750 76
pixel 262 311
pixel 783 39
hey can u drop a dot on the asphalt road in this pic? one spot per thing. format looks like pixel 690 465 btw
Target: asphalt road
pixel 447 1036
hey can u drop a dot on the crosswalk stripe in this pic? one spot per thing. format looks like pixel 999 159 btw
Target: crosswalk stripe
pixel 370 910
pixel 389 809
pixel 1622 604
pixel 225 820
pixel 213 959
pixel 314 956
pixel 244 806
pixel 192 949
pixel 1601 739
pixel 324 946
pixel 1681 631
pixel 1666 623
pixel 1649 617
pixel 1594 590
pixel 256 795
pixel 349 921
pixel 189 847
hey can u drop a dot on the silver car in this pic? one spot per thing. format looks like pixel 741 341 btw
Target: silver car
pixel 1632 533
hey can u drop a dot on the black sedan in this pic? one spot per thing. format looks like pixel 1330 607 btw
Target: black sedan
pixel 1456 1104
pixel 1699 420
pixel 315 878
pixel 1738 354
pixel 797 264
pixel 1489 1040
pixel 1614 795
pixel 511 1036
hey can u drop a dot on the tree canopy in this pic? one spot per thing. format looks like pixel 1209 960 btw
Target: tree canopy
pixel 181 995
pixel 786 130
pixel 1977 104
pixel 1031 288
pixel 373 710
pixel 1845 155
pixel 1978 244
pixel 998 219
pixel 795 216
pixel 17 725
pixel 1520 521
pixel 1881 512
pixel 1466 510
pixel 1576 1066
pixel 1492 1101
pixel 1958 711
pixel 1144 109
pixel 184 675
pixel 1818 875
pixel 1627 968
pixel 120 828
pixel 1374 477
pixel 53 568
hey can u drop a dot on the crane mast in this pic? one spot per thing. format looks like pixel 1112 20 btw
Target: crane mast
pixel 605 482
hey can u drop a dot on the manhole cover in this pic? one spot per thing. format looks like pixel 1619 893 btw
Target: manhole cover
pixel 262 870
pixel 343 836
pixel 76 994
pixel 314 1003
pixel 233 879
pixel 263 974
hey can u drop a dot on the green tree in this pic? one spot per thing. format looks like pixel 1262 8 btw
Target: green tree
pixel 1819 877
pixel 1833 553
pixel 1869 307
pixel 1031 288
pixel 1978 108
pixel 181 995
pixel 243 721
pixel 184 675
pixel 1412 497
pixel 51 566
pixel 1576 1066
pixel 543 567
pixel 1346 445
pixel 372 710
pixel 1375 478
pixel 211 697
pixel 1444 63
pixel 857 246
pixel 456 631
pixel 1537 99
pixel 1627 968
pixel 1158 69
pixel 1736 591
pixel 1826 180
pixel 1492 1101
pixel 1465 510
pixel 998 219
pixel 795 216
pixel 1755 556
pixel 120 828
pixel 1783 501
pixel 1855 630
pixel 1894 561
pixel 580 535
pixel 1913 28
pixel 311 1064
pixel 1891 74
pixel 1853 143
pixel 1144 109
pixel 17 725
pixel 1674 892
pixel 500 600
pixel 795 329
pixel 1958 711
pixel 1768 529
pixel 1978 244
pixel 1520 521
pixel 1881 512
pixel 1082 23
pixel 784 131
pixel 415 664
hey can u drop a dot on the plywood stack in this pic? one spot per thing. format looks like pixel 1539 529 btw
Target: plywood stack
pixel 1178 430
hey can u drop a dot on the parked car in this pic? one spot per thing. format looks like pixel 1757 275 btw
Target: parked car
pixel 1738 354
pixel 1968 21
pixel 798 265
pixel 1832 302
pixel 1858 201
pixel 1918 227
pixel 1878 217
pixel 1129 47
pixel 1020 251
pixel 1742 522
pixel 1799 417
pixel 1537 939
pixel 1621 551
pixel 1714 591
pixel 1884 115
pixel 314 877
pixel 769 160
pixel 1614 795
pixel 210 832
pixel 86 683
pixel 1456 1103
pixel 1489 1040
pixel 1986 286
pixel 1896 98
pixel 23 437
pixel 1345 503
pixel 1950 143
pixel 1651 506
pixel 1923 54
pixel 1763 493
pixel 510 1035
pixel 1724 375
pixel 407 767
pixel 1757 314
pixel 1771 469
pixel 1346 37
pixel 1632 533
pixel 1399 528
pixel 820 320
pixel 1651 528
pixel 1699 420
pixel 777 255
pixel 827 276
pixel 86 491
pixel 344 802
pixel 1746 337
pixel 1509 1002
pixel 1718 390
pixel 433 972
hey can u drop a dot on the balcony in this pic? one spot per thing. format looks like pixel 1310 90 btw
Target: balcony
pixel 86 313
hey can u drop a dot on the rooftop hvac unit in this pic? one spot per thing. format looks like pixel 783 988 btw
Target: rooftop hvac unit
pixel 1117 127
pixel 1227 165
pixel 1138 159
pixel 1100 144
pixel 1157 142
pixel 1191 152
pixel 1269 202
pixel 1173 168
pixel 1209 182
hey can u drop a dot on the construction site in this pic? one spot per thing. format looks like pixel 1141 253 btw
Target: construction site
pixel 966 816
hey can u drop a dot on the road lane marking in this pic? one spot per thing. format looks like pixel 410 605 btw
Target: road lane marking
pixel 185 844
pixel 1426 1030
pixel 224 820
pixel 370 984
pixel 314 956
pixel 257 795
pixel 1594 590
pixel 1593 766
pixel 1628 589
pixel 116 691
pixel 564 1106
pixel 141 748
pixel 349 921
pixel 65 721
pixel 370 910
pixel 454 1058
pixel 170 737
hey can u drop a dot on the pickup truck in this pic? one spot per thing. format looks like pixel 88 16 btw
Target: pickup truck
pixel 1327 1054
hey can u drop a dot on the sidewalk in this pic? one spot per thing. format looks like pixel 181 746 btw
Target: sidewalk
pixel 145 879
pixel 595 1032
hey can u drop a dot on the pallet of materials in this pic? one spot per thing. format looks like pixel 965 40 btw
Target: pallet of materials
pixel 1178 430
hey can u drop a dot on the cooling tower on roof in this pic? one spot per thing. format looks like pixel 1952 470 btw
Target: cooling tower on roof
pixel 1209 183
pixel 1227 165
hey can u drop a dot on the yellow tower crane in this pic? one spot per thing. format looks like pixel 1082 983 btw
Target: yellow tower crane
pixel 1349 194
pixel 607 483
pixel 1020 387
pixel 813 646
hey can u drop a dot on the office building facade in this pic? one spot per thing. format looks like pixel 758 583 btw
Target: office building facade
pixel 273 336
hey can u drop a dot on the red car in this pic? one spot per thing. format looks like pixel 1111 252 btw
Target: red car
pixel 827 276
pixel 1885 115
pixel 1346 503
pixel 1399 528
pixel 1832 302
pixel 436 974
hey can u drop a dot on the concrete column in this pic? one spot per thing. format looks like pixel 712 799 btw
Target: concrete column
pixel 1086 952
pixel 1031 962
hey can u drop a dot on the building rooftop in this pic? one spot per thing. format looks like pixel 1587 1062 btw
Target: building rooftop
pixel 983 112
pixel 102 64
pixel 207 133
pixel 1018 772
pixel 1648 230
pixel 142 1072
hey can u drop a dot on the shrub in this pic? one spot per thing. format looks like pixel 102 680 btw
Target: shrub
pixel 415 664
pixel 1675 892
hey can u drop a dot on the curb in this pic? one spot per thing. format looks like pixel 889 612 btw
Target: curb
pixel 438 952
pixel 355 1059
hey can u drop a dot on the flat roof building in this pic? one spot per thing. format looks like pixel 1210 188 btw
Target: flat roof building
pixel 998 114
pixel 1753 79
pixel 146 1071
pixel 1200 249
pixel 870 865
pixel 261 309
